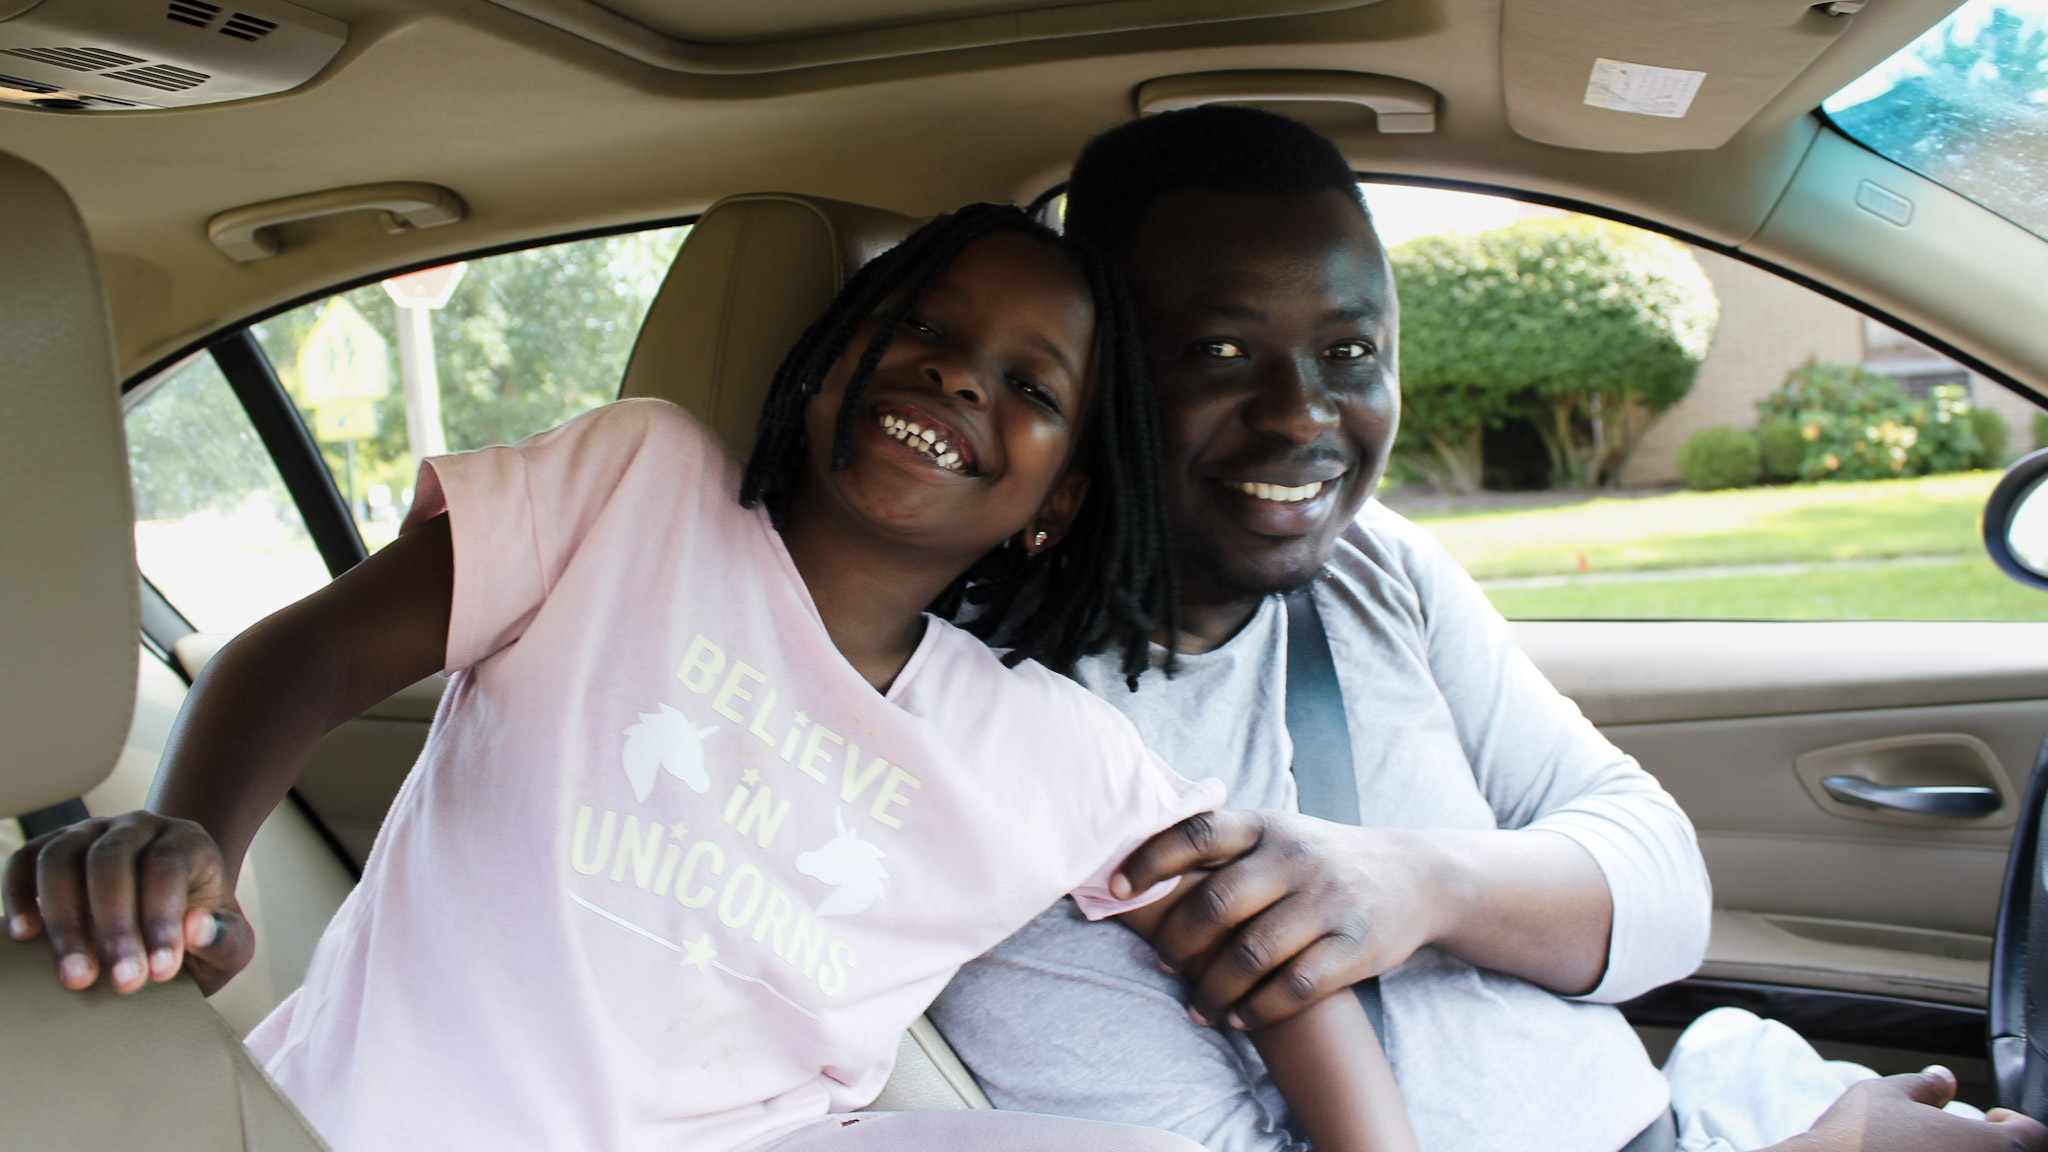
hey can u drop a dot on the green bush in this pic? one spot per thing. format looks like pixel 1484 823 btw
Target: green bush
pixel 2041 430
pixel 1948 434
pixel 1719 458
pixel 1780 448
pixel 1586 329
pixel 1857 425
pixel 1993 436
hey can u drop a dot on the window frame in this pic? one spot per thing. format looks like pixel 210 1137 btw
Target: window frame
pixel 286 439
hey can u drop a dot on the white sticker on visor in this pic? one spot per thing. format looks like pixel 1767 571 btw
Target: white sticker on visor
pixel 1620 86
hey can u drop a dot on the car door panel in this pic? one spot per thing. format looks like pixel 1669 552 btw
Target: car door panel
pixel 1805 896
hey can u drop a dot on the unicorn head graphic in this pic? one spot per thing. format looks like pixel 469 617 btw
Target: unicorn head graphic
pixel 667 738
pixel 849 862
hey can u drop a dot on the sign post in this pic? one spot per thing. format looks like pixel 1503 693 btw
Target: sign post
pixel 418 295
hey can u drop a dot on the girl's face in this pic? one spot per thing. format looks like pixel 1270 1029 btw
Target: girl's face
pixel 967 432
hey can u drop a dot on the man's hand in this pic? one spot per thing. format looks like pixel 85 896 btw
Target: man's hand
pixel 1298 908
pixel 139 897
pixel 1903 1114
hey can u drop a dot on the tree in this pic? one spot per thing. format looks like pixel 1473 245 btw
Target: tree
pixel 1585 328
pixel 529 340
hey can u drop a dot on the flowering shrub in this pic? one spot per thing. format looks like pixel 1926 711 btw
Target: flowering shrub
pixel 1857 425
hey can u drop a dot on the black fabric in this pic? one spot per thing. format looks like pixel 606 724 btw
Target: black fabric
pixel 60 815
pixel 1325 776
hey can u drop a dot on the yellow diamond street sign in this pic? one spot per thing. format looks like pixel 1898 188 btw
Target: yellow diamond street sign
pixel 344 357
pixel 352 419
pixel 344 368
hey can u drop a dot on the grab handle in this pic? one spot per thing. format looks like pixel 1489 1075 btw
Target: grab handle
pixel 247 233
pixel 1920 799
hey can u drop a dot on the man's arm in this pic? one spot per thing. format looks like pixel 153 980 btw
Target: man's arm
pixel 1903 1114
pixel 1338 904
pixel 1592 882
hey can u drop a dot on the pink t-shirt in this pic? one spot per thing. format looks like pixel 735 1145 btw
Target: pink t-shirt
pixel 670 874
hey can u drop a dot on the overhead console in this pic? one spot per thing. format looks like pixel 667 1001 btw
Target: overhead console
pixel 136 55
pixel 1651 75
pixel 746 36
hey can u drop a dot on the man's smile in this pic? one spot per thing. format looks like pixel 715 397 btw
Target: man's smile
pixel 1265 508
pixel 1280 493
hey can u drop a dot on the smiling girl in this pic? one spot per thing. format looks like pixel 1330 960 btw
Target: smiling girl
pixel 714 804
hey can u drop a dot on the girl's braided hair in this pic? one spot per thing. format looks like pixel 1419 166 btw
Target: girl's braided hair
pixel 1110 584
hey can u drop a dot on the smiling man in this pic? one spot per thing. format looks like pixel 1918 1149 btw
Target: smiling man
pixel 1516 874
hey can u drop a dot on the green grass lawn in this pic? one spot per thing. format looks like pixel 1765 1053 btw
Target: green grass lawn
pixel 1836 537
pixel 1965 588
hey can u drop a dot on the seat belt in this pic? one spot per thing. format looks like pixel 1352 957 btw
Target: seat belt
pixel 1326 783
pixel 1325 775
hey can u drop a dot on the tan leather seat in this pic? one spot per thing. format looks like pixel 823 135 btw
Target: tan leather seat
pixel 93 1071
pixel 753 273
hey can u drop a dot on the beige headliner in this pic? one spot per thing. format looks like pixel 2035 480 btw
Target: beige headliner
pixel 542 132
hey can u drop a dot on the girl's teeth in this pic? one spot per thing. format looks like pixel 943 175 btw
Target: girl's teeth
pixel 923 439
pixel 1280 493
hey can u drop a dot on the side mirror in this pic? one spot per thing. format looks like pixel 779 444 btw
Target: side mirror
pixel 2016 521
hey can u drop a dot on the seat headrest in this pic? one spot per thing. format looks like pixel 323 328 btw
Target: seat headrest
pixel 752 275
pixel 69 610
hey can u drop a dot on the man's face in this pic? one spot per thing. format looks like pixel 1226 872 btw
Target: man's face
pixel 1270 322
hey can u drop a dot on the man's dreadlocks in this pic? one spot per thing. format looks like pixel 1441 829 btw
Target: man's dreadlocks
pixel 1110 584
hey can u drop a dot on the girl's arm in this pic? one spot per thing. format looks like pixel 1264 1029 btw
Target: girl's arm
pixel 1330 1067
pixel 140 895
pixel 1326 1061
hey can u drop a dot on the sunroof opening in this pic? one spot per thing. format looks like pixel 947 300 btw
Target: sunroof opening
pixel 1965 105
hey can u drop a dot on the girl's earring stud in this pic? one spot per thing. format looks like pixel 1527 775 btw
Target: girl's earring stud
pixel 1038 539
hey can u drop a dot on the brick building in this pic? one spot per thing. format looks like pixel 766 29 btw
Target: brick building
pixel 1770 326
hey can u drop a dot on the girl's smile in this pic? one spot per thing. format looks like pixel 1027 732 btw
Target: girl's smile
pixel 969 424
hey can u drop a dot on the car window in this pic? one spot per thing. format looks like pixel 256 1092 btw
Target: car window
pixel 215 529
pixel 1602 422
pixel 484 352
pixel 1965 105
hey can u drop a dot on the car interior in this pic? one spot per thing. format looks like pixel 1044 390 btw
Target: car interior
pixel 336 145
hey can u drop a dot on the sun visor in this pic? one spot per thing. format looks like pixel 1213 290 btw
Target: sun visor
pixel 1652 76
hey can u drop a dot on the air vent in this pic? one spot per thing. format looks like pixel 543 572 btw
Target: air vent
pixel 102 57
pixel 197 13
pixel 76 59
pixel 243 26
pixel 164 77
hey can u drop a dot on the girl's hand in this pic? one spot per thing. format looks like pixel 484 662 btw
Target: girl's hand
pixel 139 897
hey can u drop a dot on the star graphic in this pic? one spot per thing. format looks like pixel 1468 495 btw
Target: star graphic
pixel 699 953
pixel 799 720
pixel 750 777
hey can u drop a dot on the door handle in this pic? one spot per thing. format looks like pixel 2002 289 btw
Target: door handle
pixel 1920 799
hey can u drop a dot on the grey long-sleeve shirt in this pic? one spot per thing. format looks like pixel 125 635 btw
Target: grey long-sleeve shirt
pixel 1453 727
